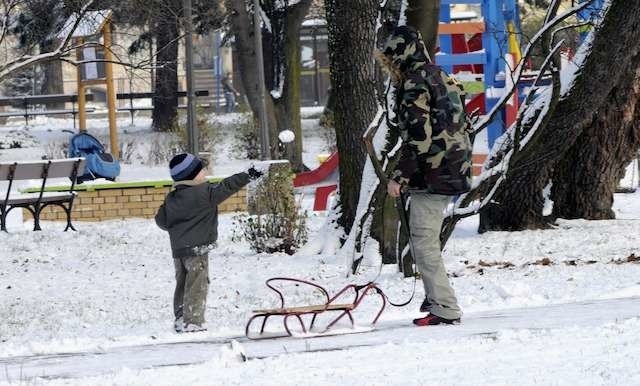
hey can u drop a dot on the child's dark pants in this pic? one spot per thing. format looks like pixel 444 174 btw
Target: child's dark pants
pixel 192 284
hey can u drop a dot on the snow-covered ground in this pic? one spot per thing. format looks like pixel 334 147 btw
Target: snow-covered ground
pixel 110 286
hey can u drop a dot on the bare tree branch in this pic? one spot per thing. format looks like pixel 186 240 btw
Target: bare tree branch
pixel 63 49
pixel 490 116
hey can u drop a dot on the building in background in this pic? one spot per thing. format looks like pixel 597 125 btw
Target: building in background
pixel 315 80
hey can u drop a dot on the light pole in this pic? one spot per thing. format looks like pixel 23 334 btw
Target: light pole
pixel 264 123
pixel 192 129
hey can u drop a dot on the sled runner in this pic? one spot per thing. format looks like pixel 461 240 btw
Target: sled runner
pixel 330 305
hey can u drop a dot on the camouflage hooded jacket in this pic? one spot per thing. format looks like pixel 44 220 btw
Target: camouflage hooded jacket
pixel 436 151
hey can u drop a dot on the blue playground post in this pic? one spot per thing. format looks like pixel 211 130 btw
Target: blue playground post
pixel 497 14
pixel 446 44
pixel 496 46
pixel 591 12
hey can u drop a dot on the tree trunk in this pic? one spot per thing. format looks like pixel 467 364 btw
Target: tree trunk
pixel 284 112
pixel 352 33
pixel 165 100
pixel 52 83
pixel 424 15
pixel 611 66
pixel 586 178
pixel 242 27
pixel 288 105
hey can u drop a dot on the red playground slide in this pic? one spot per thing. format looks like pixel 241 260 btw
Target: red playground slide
pixel 324 179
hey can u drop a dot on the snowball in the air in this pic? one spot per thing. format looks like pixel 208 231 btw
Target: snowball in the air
pixel 286 136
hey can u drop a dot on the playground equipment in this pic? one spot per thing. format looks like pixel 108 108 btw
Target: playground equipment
pixel 589 13
pixel 479 44
pixel 323 181
pixel 90 28
pixel 486 46
pixel 474 43
pixel 491 50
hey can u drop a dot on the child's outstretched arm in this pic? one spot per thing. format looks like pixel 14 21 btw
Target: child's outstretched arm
pixel 227 187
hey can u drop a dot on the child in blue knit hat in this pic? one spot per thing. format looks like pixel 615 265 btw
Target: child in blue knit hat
pixel 190 215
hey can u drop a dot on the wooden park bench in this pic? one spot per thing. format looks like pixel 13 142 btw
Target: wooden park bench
pixel 31 105
pixel 330 304
pixel 39 199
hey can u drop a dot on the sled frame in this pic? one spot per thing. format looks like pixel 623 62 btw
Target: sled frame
pixel 330 305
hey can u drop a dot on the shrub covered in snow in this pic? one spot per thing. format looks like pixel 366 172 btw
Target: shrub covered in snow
pixel 17 139
pixel 278 225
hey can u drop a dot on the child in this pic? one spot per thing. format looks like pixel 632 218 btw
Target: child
pixel 190 215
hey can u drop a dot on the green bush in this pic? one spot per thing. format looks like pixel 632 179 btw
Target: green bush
pixel 279 225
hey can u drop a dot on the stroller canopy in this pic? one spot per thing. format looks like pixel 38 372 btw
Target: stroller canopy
pixel 99 164
pixel 83 144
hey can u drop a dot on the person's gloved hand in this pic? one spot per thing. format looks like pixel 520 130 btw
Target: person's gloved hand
pixel 254 173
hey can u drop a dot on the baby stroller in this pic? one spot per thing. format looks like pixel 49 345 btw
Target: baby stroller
pixel 98 163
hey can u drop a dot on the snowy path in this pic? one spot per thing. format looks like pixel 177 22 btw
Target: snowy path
pixel 487 324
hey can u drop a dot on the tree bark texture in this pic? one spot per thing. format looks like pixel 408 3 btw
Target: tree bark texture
pixel 424 15
pixel 610 67
pixel 586 178
pixel 352 33
pixel 165 100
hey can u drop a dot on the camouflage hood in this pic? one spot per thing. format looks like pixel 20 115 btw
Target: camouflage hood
pixel 435 156
pixel 406 49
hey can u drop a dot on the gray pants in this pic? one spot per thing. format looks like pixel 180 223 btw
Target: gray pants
pixel 192 284
pixel 425 221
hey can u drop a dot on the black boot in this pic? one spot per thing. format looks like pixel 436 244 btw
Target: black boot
pixel 425 306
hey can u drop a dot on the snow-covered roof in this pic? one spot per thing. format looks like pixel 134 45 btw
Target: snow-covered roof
pixel 91 23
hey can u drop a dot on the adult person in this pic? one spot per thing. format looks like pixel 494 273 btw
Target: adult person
pixel 230 93
pixel 435 160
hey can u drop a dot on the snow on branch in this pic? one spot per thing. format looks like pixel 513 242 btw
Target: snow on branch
pixel 484 122
pixel 532 116
pixel 7 9
pixel 62 49
pixel 506 146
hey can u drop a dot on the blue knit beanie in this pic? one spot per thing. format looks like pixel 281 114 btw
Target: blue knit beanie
pixel 185 166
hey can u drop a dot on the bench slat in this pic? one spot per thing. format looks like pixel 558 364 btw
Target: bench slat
pixel 63 168
pixel 304 309
pixel 26 198
pixel 33 170
pixel 28 171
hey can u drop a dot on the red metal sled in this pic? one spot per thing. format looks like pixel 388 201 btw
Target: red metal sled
pixel 330 305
